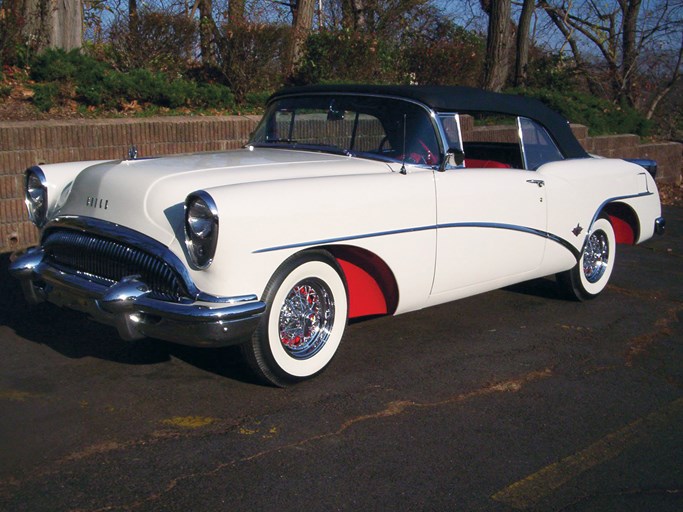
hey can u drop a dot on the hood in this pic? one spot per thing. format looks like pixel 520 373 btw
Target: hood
pixel 147 195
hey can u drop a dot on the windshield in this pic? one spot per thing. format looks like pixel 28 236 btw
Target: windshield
pixel 367 126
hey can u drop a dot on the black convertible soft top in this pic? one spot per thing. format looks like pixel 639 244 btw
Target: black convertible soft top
pixel 462 100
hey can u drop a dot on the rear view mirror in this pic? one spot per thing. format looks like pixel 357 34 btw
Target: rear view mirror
pixel 454 158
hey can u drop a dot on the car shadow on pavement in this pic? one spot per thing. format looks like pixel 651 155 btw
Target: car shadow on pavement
pixel 76 336
pixel 545 288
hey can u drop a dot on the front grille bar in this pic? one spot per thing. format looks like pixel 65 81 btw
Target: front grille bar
pixel 110 261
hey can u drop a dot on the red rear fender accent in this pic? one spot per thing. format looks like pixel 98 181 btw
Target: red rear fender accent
pixel 371 284
pixel 623 231
pixel 365 296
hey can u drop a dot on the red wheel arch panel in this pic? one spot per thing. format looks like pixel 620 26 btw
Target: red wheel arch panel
pixel 370 282
pixel 365 296
pixel 623 231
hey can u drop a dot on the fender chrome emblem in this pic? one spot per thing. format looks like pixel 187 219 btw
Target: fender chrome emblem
pixel 95 202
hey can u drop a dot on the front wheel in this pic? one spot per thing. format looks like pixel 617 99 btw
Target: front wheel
pixel 304 320
pixel 591 274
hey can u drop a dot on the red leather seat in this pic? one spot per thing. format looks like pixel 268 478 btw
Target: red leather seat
pixel 487 164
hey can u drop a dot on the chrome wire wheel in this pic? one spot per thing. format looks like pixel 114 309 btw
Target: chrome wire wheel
pixel 596 256
pixel 590 275
pixel 304 321
pixel 306 318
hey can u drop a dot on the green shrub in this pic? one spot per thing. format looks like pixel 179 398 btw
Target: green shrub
pixel 156 89
pixel 5 91
pixel 94 94
pixel 46 95
pixel 55 64
pixel 178 93
pixel 214 96
pixel 138 84
pixel 153 54
pixel 255 101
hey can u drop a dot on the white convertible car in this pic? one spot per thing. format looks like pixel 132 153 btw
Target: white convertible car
pixel 348 201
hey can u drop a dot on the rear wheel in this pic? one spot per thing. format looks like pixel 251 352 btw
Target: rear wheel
pixel 591 274
pixel 304 320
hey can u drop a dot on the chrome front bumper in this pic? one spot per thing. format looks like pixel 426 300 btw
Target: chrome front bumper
pixel 127 305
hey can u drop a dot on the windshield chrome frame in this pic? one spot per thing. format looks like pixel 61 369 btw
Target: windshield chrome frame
pixel 439 133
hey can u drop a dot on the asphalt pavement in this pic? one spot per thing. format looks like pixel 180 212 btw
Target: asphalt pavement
pixel 510 400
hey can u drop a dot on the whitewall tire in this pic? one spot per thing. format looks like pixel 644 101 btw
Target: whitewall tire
pixel 304 321
pixel 591 274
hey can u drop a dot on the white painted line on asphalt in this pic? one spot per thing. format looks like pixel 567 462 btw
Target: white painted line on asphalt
pixel 530 490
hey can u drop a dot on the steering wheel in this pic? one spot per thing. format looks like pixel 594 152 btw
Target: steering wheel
pixel 422 154
pixel 419 155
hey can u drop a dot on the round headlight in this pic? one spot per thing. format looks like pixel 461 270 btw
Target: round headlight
pixel 36 195
pixel 200 221
pixel 201 228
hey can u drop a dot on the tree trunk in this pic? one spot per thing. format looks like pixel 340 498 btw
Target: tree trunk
pixel 235 12
pixel 522 54
pixel 629 49
pixel 496 65
pixel 353 14
pixel 206 30
pixel 133 17
pixel 53 23
pixel 303 24
pixel 675 76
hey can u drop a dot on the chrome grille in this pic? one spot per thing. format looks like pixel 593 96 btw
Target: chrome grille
pixel 109 261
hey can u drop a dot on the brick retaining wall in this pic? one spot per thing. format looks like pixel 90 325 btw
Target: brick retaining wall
pixel 23 144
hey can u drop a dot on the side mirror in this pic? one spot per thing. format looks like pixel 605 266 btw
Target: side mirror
pixel 454 158
pixel 334 113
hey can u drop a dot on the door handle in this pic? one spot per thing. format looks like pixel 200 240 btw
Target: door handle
pixel 540 183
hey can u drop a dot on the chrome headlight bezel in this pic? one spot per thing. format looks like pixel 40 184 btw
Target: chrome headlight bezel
pixel 35 195
pixel 201 228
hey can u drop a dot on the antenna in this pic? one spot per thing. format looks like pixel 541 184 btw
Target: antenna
pixel 403 164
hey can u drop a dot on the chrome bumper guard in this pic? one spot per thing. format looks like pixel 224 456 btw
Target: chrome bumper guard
pixel 127 306
pixel 660 225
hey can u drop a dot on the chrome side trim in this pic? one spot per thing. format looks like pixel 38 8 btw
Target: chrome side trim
pixel 616 198
pixel 493 225
pixel 649 165
pixel 343 239
pixel 520 141
pixel 523 229
pixel 602 206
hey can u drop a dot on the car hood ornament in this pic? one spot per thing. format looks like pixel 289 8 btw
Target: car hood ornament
pixel 577 230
